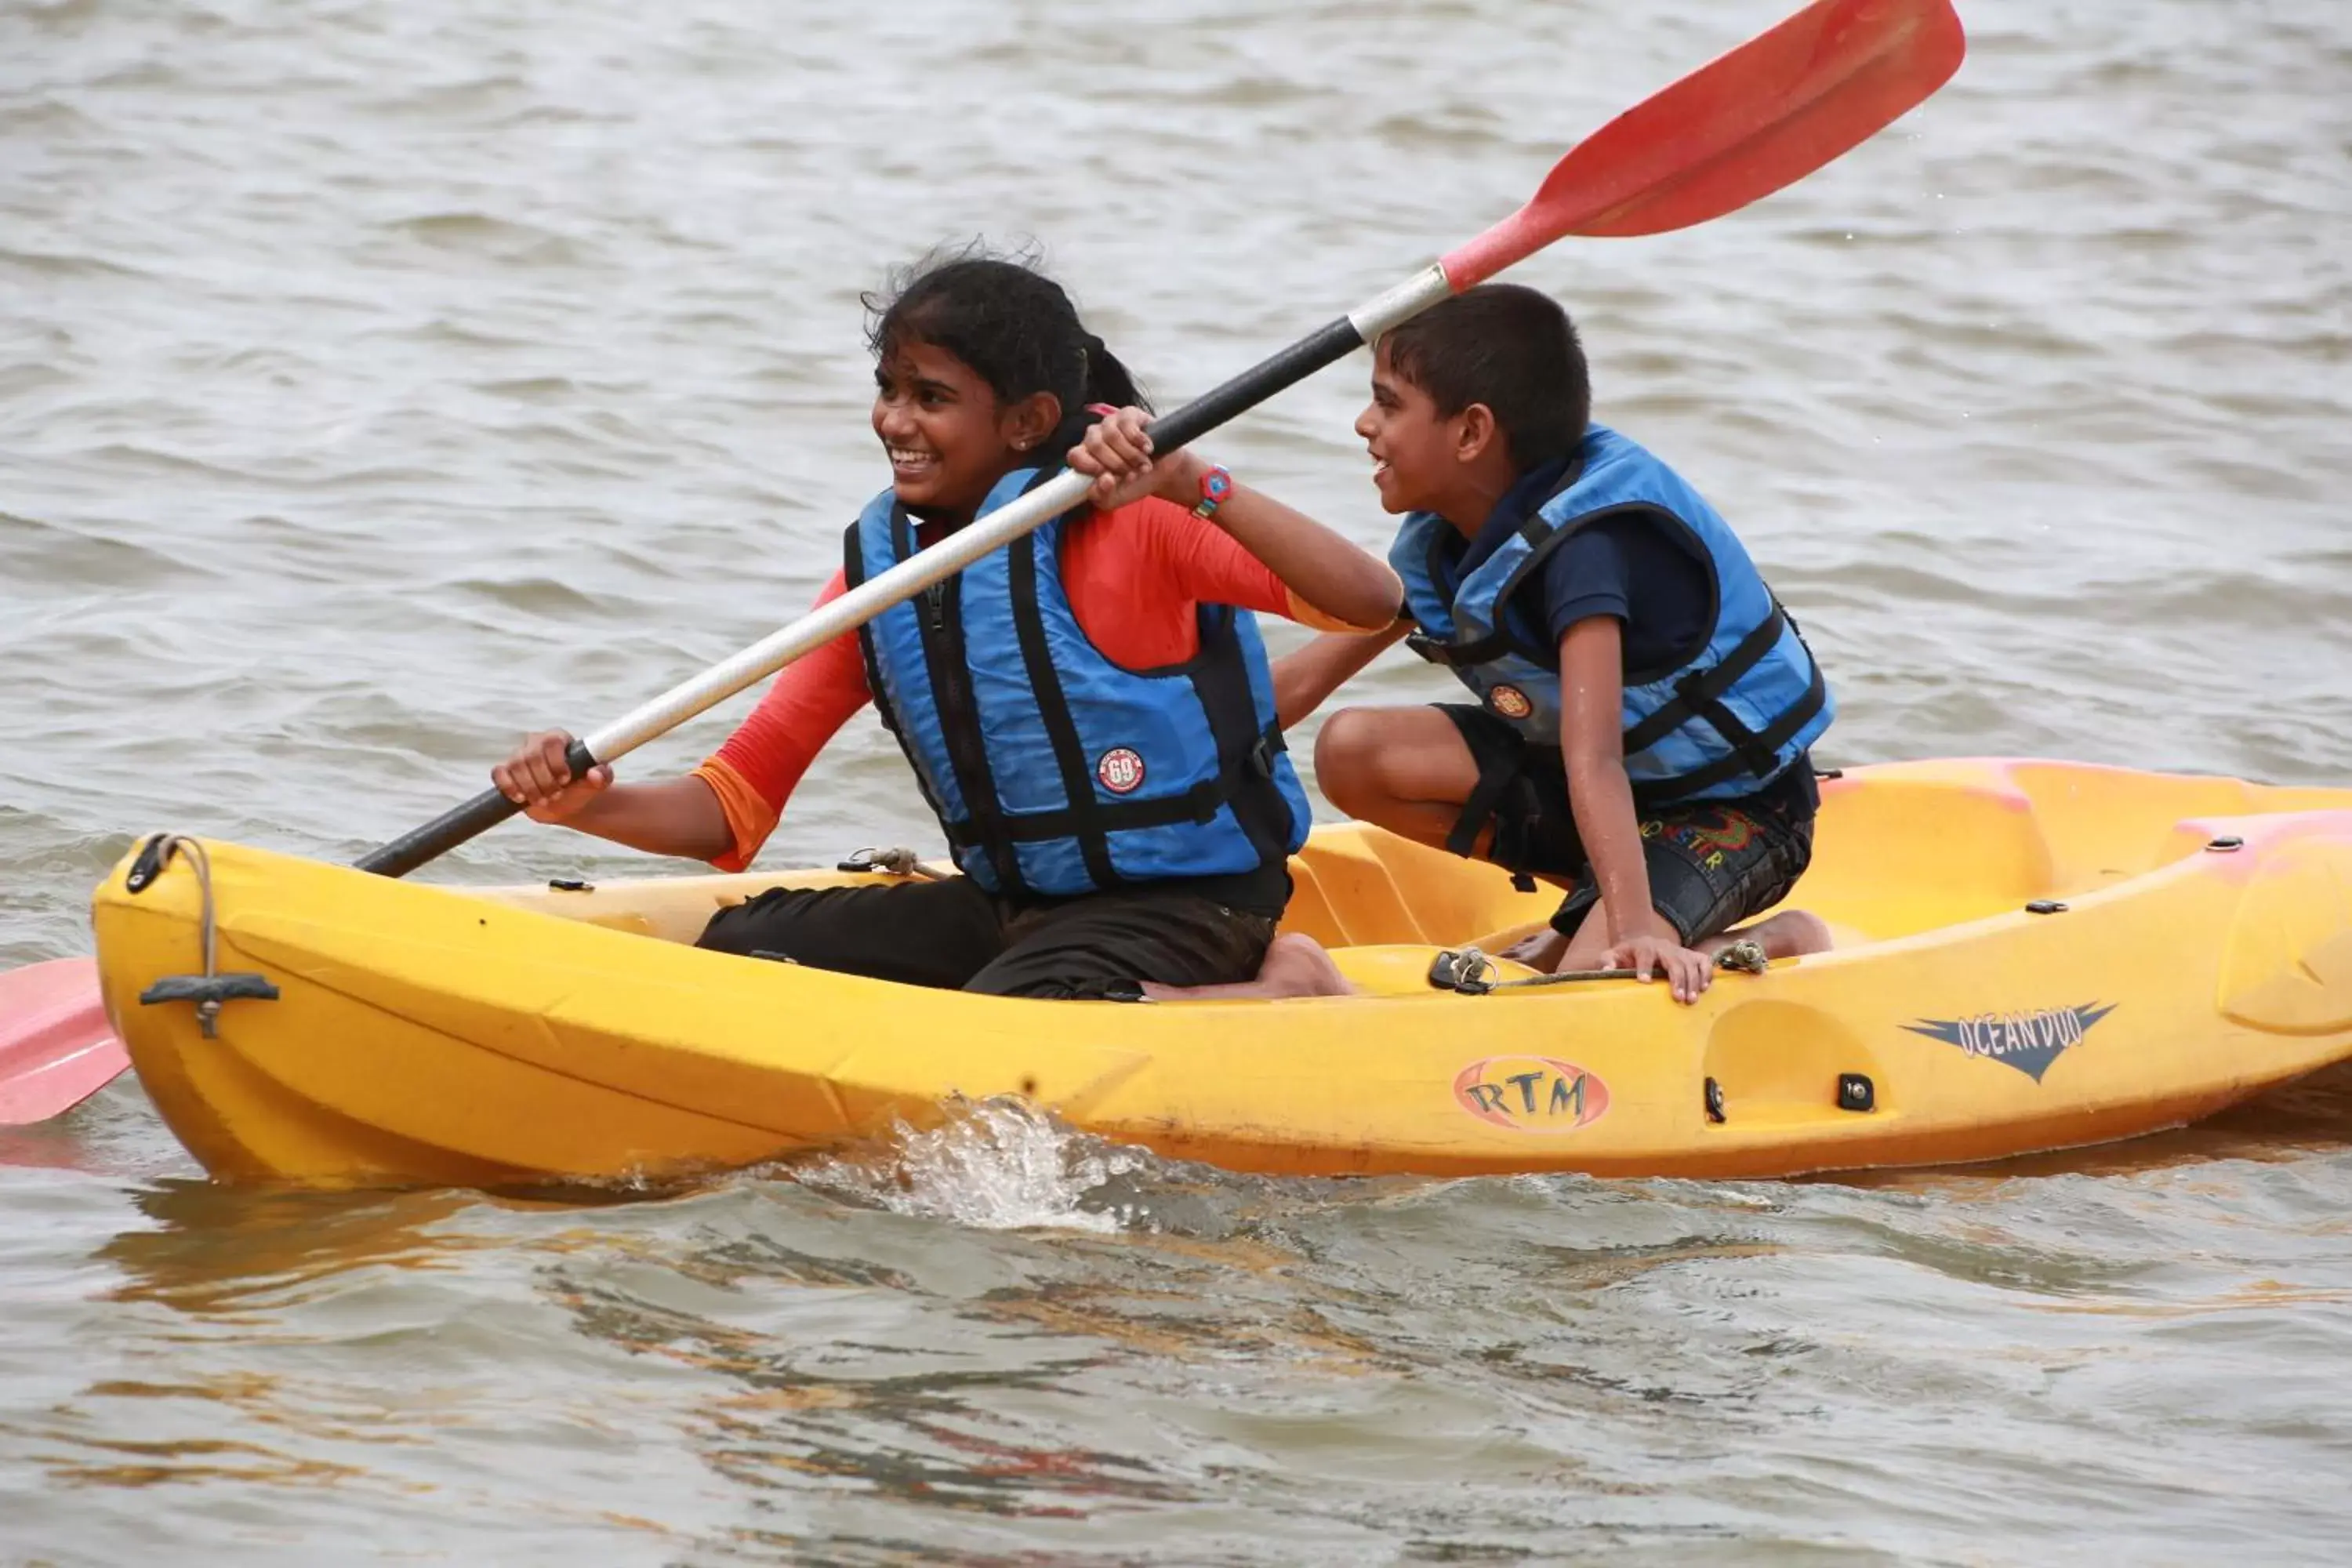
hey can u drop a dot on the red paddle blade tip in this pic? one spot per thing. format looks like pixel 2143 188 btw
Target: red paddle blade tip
pixel 56 1050
pixel 1748 123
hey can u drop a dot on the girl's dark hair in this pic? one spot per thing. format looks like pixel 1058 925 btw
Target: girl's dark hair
pixel 1510 347
pixel 1011 325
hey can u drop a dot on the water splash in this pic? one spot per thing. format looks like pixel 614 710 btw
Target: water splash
pixel 999 1163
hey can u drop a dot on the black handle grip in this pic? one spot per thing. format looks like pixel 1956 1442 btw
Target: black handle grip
pixel 451 828
pixel 1325 345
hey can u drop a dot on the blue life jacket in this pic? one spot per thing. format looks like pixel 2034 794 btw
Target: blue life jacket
pixel 1724 718
pixel 1053 771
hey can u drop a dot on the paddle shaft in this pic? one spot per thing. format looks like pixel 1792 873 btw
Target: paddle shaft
pixel 1746 124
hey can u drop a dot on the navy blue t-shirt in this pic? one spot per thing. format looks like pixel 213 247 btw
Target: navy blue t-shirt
pixel 1630 567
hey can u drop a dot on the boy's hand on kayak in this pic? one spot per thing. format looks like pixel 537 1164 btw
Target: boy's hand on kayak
pixel 538 778
pixel 1658 949
pixel 1117 455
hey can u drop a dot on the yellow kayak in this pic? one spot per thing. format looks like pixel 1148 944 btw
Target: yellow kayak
pixel 2030 955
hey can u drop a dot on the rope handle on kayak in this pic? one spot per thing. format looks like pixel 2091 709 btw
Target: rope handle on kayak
pixel 1471 972
pixel 210 988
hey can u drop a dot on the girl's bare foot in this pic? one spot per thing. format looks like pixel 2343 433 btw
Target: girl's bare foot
pixel 1294 965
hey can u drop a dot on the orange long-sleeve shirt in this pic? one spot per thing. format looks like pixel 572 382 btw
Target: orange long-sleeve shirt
pixel 1136 578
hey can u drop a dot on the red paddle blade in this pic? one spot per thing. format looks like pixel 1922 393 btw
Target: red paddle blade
pixel 56 1048
pixel 1763 117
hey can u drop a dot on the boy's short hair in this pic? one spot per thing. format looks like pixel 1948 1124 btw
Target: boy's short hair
pixel 1510 347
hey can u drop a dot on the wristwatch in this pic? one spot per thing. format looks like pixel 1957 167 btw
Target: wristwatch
pixel 1216 484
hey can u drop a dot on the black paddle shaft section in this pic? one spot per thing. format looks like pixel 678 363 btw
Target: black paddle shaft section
pixel 451 828
pixel 1325 346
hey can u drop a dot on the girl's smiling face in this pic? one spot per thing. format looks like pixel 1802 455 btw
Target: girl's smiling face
pixel 948 436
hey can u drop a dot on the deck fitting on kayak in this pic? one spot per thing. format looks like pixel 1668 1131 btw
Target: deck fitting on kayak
pixel 149 864
pixel 1856 1092
pixel 1744 957
pixel 570 885
pixel 210 988
pixel 896 861
pixel 2225 843
pixel 208 992
pixel 1712 1097
pixel 2045 907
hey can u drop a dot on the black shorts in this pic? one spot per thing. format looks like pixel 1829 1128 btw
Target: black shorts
pixel 1712 863
pixel 953 935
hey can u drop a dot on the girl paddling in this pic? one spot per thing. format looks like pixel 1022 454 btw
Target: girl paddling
pixel 1088 711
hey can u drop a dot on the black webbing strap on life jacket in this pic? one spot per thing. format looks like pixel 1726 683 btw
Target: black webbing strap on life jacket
pixel 1245 750
pixel 1509 800
pixel 1699 694
pixel 1246 747
pixel 1085 815
pixel 939 620
pixel 1755 752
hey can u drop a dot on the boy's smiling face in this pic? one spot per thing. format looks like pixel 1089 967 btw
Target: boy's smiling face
pixel 1420 457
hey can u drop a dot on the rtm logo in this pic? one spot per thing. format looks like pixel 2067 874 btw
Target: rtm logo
pixel 1531 1094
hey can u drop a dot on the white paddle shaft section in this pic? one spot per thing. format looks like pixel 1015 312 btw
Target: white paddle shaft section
pixel 1407 300
pixel 828 621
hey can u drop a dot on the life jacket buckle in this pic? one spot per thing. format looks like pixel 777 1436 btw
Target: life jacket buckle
pixel 1436 650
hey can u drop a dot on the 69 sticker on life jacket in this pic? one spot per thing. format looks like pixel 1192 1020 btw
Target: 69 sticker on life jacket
pixel 1120 770
pixel 1531 1094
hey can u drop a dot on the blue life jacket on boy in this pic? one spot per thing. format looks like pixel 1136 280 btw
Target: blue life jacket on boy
pixel 1053 771
pixel 1731 716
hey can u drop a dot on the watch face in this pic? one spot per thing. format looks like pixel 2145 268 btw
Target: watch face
pixel 1216 485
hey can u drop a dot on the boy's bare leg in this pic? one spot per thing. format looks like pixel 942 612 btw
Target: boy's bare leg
pixel 1405 769
pixel 1539 950
pixel 1791 934
pixel 1590 943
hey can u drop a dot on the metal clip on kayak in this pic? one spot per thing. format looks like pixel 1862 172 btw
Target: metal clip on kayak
pixel 1471 972
pixel 210 988
pixel 896 862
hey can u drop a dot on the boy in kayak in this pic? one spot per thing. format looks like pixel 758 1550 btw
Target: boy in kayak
pixel 1088 711
pixel 1643 706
